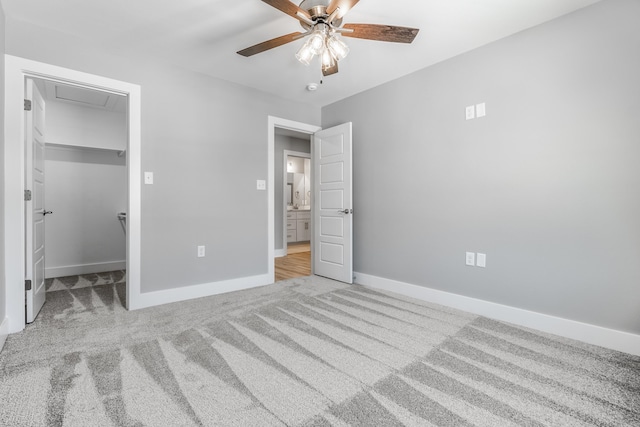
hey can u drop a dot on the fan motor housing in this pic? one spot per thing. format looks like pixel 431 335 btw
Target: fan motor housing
pixel 318 11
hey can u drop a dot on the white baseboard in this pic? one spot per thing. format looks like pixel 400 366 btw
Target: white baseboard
pixel 73 270
pixel 150 299
pixel 278 253
pixel 3 332
pixel 591 334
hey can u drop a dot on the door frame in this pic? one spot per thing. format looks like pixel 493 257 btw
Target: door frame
pixel 288 153
pixel 16 70
pixel 273 123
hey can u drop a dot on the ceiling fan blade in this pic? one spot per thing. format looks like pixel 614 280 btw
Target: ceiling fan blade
pixel 270 44
pixel 290 9
pixel 385 33
pixel 344 5
pixel 330 70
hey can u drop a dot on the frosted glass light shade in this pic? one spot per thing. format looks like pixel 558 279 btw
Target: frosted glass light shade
pixel 316 42
pixel 328 60
pixel 338 48
pixel 305 53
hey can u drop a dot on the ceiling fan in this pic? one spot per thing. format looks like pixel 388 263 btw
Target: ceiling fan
pixel 322 21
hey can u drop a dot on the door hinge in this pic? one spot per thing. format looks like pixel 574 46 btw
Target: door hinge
pixel 27 285
pixel 27 195
pixel 27 105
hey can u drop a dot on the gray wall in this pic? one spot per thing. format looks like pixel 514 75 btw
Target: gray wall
pixel 74 124
pixel 3 293
pixel 85 189
pixel 284 143
pixel 206 142
pixel 547 184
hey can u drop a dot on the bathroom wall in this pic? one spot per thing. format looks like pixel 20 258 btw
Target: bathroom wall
pixel 299 176
pixel 295 164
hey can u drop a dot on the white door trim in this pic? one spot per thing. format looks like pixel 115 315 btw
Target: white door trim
pixel 272 124
pixel 16 69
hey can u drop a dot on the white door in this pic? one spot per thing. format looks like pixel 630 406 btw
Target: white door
pixel 35 213
pixel 333 208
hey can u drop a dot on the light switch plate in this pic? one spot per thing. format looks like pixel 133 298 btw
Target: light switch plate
pixel 481 260
pixel 200 251
pixel 470 112
pixel 481 110
pixel 261 184
pixel 470 258
pixel 148 177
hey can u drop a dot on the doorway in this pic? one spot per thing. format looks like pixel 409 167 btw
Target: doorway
pixel 295 222
pixel 16 71
pixel 332 215
pixel 85 193
pixel 289 257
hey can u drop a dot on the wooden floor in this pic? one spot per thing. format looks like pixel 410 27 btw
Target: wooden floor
pixel 296 248
pixel 297 263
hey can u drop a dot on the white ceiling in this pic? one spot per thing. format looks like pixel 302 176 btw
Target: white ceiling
pixel 81 97
pixel 204 36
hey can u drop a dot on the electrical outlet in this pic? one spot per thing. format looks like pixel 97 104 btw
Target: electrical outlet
pixel 481 110
pixel 200 251
pixel 470 112
pixel 481 260
pixel 148 177
pixel 471 258
pixel 261 184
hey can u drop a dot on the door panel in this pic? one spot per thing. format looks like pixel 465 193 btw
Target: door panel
pixel 332 199
pixel 332 212
pixel 332 227
pixel 332 253
pixel 35 265
pixel 332 145
pixel 332 172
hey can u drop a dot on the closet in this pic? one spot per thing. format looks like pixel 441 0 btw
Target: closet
pixel 85 180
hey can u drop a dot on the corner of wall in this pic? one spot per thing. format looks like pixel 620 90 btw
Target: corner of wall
pixel 3 333
pixel 3 293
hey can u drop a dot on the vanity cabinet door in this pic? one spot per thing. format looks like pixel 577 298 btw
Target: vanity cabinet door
pixel 303 230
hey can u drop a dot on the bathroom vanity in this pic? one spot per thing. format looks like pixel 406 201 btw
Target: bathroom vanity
pixel 298 225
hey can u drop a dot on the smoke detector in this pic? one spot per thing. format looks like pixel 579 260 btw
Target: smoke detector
pixel 312 87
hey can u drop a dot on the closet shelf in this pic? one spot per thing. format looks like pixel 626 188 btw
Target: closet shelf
pixel 118 152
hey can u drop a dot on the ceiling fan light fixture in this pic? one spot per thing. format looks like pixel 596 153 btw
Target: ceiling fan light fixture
pixel 318 37
pixel 306 53
pixel 338 48
pixel 328 60
pixel 322 22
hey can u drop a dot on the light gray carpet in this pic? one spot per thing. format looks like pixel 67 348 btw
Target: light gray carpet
pixel 307 352
pixel 85 280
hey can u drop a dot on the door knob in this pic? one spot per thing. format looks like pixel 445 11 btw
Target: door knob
pixel 346 211
pixel 46 213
